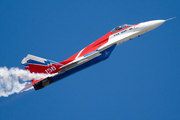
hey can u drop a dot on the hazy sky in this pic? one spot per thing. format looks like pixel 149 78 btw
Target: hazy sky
pixel 140 80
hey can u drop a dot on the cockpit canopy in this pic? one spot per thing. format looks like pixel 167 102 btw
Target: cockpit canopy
pixel 120 27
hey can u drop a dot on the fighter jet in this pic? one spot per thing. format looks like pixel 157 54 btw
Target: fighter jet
pixel 95 52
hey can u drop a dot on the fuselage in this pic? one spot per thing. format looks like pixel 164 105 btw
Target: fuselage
pixel 102 48
pixel 92 54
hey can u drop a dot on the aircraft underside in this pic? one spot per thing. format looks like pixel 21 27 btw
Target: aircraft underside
pixel 104 55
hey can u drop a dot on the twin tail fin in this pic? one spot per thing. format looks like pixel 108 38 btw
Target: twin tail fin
pixel 40 65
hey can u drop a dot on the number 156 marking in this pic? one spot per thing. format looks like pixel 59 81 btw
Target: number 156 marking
pixel 51 69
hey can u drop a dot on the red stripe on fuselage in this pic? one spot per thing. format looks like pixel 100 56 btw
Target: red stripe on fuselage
pixel 95 45
pixel 92 47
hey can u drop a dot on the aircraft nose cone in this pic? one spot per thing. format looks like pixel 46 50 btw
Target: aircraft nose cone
pixel 153 24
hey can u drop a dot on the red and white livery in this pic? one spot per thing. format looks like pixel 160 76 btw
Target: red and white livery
pixel 92 54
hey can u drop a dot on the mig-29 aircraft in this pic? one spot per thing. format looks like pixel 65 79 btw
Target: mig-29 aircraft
pixel 92 54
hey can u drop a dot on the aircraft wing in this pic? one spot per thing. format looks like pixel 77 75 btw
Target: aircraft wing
pixel 79 61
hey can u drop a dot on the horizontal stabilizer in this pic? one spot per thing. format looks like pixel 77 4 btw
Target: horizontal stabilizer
pixel 26 88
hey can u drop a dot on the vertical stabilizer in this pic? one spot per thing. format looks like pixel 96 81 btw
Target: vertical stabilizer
pixel 40 65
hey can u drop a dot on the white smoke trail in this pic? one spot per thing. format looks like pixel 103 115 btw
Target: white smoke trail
pixel 14 79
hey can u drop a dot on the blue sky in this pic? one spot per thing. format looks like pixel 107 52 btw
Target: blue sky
pixel 140 80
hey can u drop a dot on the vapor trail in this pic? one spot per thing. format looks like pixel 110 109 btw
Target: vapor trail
pixel 14 79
